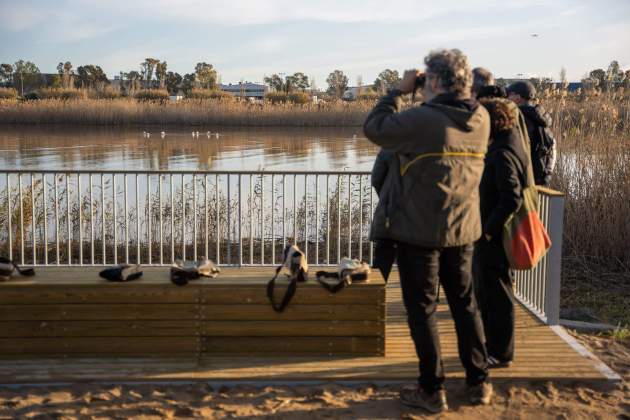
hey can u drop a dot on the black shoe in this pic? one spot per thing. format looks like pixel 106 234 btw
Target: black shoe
pixel 417 397
pixel 494 363
pixel 481 394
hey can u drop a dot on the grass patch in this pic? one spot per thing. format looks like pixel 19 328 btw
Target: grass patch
pixel 598 286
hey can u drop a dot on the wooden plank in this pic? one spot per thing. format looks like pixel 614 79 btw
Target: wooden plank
pixel 98 312
pixel 207 293
pixel 293 313
pixel 98 345
pixel 291 345
pixel 292 328
pixel 99 328
pixel 305 295
pixel 105 293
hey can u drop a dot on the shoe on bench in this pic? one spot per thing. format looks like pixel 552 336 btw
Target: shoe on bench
pixel 481 394
pixel 417 397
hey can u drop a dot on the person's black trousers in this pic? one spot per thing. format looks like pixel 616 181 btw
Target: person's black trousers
pixel 495 292
pixel 420 271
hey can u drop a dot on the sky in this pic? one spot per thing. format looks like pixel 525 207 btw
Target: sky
pixel 250 39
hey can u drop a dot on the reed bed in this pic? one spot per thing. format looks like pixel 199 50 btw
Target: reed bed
pixel 188 112
pixel 594 172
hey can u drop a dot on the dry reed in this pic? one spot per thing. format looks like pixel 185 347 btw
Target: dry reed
pixel 123 111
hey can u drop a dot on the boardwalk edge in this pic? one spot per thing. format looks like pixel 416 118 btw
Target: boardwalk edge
pixel 584 352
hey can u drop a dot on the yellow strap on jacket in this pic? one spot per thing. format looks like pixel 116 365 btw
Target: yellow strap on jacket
pixel 405 167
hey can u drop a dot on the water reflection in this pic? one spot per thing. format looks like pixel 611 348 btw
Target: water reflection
pixel 236 149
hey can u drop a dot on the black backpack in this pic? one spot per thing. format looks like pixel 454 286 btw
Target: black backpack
pixel 295 269
pixel 543 151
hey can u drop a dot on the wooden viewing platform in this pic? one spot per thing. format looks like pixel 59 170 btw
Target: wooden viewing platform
pixel 542 352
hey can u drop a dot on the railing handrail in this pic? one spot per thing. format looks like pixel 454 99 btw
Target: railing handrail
pixel 549 191
pixel 178 172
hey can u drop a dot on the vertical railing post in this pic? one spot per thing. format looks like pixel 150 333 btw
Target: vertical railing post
pixel 80 219
pixel 149 248
pixel 240 221
pixel 44 201
pixel 228 222
pixel 9 216
pixel 194 210
pixel 554 259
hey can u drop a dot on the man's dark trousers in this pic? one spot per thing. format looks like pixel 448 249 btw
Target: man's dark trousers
pixel 495 286
pixel 420 270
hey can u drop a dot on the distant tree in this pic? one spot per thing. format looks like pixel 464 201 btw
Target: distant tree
pixel 90 76
pixel 337 83
pixel 55 81
pixel 66 72
pixel 133 82
pixel 275 82
pixel 296 81
pixel 26 73
pixel 614 73
pixel 6 74
pixel 160 73
pixel 289 84
pixel 173 81
pixel 146 70
pixel 541 83
pixel 599 75
pixel 206 76
pixel 387 79
pixel 188 82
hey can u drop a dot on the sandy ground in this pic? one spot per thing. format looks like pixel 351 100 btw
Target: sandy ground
pixel 516 400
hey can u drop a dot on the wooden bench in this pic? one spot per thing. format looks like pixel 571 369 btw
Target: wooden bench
pixel 72 312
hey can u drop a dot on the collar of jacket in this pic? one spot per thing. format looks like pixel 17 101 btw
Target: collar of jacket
pixel 454 100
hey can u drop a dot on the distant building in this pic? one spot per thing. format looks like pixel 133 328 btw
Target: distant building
pixel 571 87
pixel 177 96
pixel 353 92
pixel 246 90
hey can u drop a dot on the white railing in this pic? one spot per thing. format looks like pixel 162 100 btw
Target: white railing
pixel 154 217
pixel 539 288
pixel 235 218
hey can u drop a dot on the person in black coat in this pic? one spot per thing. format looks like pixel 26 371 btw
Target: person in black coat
pixel 542 142
pixel 500 194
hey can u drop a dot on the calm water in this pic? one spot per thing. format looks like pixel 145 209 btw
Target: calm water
pixel 236 149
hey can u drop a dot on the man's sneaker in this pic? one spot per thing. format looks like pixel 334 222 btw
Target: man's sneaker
pixel 417 397
pixel 481 394
pixel 494 363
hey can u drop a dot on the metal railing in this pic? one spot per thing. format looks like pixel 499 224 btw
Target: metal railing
pixel 154 217
pixel 235 218
pixel 539 288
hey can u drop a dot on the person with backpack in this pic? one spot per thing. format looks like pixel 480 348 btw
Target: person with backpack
pixel 434 218
pixel 500 193
pixel 542 143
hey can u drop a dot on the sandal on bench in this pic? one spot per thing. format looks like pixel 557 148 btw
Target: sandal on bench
pixel 7 267
pixel 122 273
pixel 184 271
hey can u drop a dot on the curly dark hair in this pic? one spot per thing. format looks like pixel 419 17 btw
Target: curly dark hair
pixel 452 69
pixel 503 113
